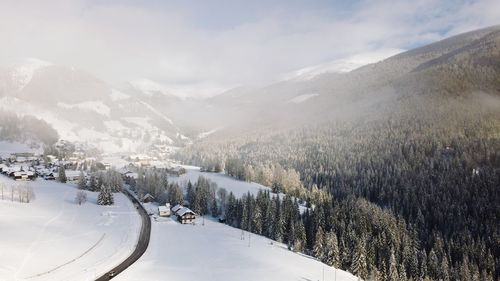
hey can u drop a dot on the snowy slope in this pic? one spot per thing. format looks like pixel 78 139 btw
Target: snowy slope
pixel 6 148
pixel 239 188
pixel 302 98
pixel 215 252
pixel 52 238
pixel 94 106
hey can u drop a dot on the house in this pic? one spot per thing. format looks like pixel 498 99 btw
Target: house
pixel 185 215
pixel 22 175
pixel 147 198
pixel 49 177
pixel 73 175
pixel 163 211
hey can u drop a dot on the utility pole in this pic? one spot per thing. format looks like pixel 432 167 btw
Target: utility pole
pixel 249 239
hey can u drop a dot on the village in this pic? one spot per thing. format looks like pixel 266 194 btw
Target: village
pixel 69 164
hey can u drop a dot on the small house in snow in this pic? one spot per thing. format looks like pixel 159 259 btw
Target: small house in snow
pixel 22 175
pixel 163 211
pixel 185 215
pixel 147 198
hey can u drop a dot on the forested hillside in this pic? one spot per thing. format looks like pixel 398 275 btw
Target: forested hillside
pixel 27 129
pixel 424 152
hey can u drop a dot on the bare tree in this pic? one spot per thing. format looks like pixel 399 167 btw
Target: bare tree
pixel 29 193
pixel 12 190
pixel 81 197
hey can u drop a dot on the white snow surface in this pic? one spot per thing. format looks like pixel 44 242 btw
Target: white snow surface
pixel 96 106
pixel 216 252
pixel 53 238
pixel 302 98
pixel 206 134
pixel 161 115
pixel 117 95
pixel 239 188
pixel 7 148
pixel 343 65
pixel 148 87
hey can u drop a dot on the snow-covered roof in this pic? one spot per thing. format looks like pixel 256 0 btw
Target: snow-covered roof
pixel 176 208
pixel 132 175
pixel 147 195
pixel 72 173
pixel 184 211
pixel 163 209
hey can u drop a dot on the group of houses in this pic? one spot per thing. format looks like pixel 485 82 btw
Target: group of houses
pixel 18 172
pixel 184 214
pixel 28 166
pixel 19 166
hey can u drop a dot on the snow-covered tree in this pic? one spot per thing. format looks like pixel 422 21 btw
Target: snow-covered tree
pixel 332 249
pixel 81 197
pixel 358 265
pixel 105 196
pixel 318 248
pixel 82 182
pixel 61 177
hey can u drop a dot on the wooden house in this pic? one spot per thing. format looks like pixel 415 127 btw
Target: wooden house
pixel 147 198
pixel 163 211
pixel 185 215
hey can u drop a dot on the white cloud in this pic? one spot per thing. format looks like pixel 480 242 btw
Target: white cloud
pixel 200 48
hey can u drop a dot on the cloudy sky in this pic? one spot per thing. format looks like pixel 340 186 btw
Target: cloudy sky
pixel 199 47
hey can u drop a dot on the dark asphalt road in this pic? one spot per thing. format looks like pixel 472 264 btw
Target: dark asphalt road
pixel 141 246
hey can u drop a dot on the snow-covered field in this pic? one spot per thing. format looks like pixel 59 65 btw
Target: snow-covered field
pixel 230 184
pixel 53 238
pixel 7 148
pixel 216 252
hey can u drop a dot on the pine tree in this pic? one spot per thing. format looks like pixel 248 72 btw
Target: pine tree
pixel 392 274
pixel 214 209
pixel 444 271
pixel 422 269
pixel 465 272
pixel 61 177
pixel 332 249
pixel 245 215
pixel 358 264
pixel 93 183
pixel 318 248
pixel 82 182
pixel 300 239
pixel 279 221
pixel 105 197
pixel 433 265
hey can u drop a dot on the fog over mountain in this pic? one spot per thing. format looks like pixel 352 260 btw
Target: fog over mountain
pixel 83 107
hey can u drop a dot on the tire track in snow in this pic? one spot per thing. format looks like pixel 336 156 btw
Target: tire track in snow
pixel 35 242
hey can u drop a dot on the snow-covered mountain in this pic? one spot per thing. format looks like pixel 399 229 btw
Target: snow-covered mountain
pixel 455 68
pixel 125 117
pixel 82 107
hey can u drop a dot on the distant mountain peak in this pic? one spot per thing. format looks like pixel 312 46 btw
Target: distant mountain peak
pixel 149 87
pixel 343 65
pixel 24 69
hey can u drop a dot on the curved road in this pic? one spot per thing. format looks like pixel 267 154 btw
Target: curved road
pixel 141 246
